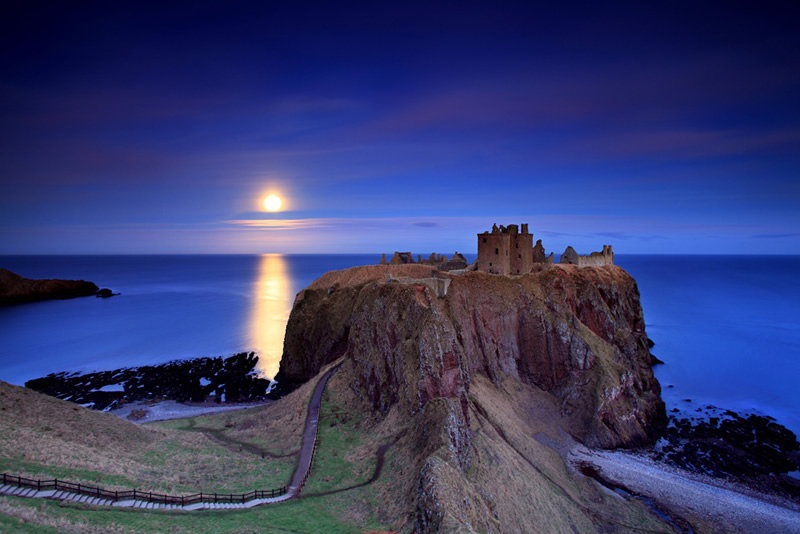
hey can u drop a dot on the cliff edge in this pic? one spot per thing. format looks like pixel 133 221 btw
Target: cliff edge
pixel 488 376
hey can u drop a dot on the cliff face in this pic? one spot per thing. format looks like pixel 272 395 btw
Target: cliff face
pixel 15 289
pixel 574 335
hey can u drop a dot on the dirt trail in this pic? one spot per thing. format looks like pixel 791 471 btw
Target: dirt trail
pixel 375 474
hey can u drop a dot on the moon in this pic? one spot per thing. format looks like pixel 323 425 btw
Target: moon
pixel 272 203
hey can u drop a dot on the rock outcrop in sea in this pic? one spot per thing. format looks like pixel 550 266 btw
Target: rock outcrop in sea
pixel 476 370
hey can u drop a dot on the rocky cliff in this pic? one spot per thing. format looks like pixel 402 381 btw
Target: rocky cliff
pixel 15 289
pixel 572 339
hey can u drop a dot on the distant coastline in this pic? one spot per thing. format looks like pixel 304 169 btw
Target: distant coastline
pixel 16 289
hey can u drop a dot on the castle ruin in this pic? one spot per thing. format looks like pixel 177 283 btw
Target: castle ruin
pixel 440 261
pixel 595 259
pixel 509 250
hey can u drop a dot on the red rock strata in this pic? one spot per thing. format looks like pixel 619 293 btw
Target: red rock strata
pixel 576 333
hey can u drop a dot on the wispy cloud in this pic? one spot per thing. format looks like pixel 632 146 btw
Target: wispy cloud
pixel 629 235
pixel 777 236
pixel 281 224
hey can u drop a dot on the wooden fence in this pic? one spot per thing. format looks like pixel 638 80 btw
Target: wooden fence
pixel 311 463
pixel 136 495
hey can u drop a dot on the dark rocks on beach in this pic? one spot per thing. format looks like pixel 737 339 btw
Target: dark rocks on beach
pixel 15 289
pixel 752 449
pixel 233 378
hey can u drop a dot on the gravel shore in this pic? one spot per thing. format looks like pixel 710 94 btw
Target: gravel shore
pixel 170 409
pixel 688 495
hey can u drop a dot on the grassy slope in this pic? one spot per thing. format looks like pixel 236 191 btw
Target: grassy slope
pixel 524 480
pixel 513 479
pixel 228 454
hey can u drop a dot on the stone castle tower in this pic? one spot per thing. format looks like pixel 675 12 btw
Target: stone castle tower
pixel 509 250
pixel 506 250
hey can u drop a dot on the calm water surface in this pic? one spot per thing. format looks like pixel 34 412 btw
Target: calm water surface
pixel 728 327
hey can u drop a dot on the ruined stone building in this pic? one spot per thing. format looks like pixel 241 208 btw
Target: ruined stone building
pixel 509 250
pixel 440 261
pixel 505 250
pixel 595 259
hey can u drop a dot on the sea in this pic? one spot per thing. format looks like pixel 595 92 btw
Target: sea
pixel 726 327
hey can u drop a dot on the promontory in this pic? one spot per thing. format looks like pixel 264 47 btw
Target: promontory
pixel 15 289
pixel 485 381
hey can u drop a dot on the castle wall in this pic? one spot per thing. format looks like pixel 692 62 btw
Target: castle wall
pixel 521 250
pixel 595 259
pixel 493 252
pixel 510 251
pixel 539 255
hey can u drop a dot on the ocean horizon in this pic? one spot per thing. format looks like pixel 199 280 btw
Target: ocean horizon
pixel 726 326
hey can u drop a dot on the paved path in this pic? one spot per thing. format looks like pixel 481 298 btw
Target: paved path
pixel 298 479
pixel 310 435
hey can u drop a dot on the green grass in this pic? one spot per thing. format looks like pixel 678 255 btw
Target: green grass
pixel 307 515
pixel 49 472
pixel 338 435
pixel 219 453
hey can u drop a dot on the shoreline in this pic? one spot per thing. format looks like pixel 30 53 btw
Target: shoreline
pixel 170 409
pixel 689 496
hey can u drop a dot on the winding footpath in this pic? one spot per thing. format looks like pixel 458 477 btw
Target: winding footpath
pixel 299 477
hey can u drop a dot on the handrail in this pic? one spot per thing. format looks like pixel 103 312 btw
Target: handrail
pixel 323 381
pixel 137 495
pixel 182 500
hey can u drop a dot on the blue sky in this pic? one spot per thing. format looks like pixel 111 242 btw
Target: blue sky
pixel 151 128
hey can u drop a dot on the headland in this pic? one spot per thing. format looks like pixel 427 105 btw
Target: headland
pixel 497 372
pixel 499 395
pixel 15 289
